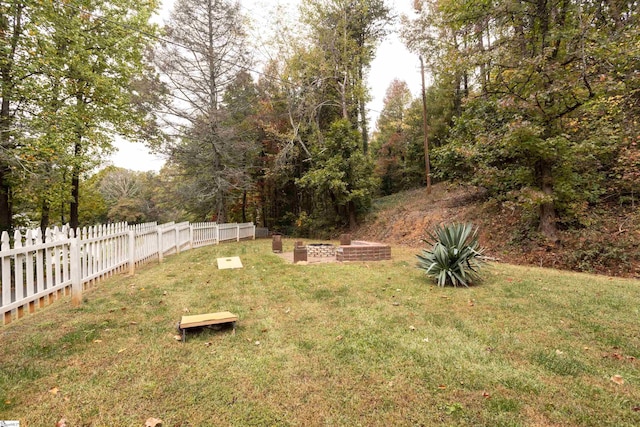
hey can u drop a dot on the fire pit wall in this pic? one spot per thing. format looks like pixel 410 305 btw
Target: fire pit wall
pixel 320 250
pixel 363 251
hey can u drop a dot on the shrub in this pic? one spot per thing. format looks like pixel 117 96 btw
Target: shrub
pixel 455 258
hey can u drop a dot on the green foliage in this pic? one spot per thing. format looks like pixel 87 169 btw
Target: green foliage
pixel 543 102
pixel 340 174
pixel 67 70
pixel 454 258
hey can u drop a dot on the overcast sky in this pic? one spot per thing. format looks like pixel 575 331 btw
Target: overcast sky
pixel 392 61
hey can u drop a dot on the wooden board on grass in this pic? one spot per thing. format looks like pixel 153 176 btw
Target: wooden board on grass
pixel 207 319
pixel 230 262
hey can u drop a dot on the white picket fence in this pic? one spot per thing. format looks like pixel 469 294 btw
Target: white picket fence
pixel 36 271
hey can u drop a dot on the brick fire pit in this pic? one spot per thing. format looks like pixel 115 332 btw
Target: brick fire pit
pixel 356 250
pixel 363 251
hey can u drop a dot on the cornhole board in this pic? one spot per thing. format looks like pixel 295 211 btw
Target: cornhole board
pixel 230 262
pixel 200 320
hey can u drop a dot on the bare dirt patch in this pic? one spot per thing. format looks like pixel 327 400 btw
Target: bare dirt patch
pixel 609 244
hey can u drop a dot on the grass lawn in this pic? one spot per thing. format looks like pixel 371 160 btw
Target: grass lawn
pixel 370 344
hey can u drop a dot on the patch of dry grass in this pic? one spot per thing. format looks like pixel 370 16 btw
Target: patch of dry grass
pixel 328 344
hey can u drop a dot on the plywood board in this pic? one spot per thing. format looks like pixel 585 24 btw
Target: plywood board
pixel 230 262
pixel 207 319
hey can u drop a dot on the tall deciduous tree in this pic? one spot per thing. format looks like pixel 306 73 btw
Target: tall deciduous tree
pixel 104 55
pixel 16 42
pixel 345 34
pixel 390 142
pixel 67 77
pixel 205 52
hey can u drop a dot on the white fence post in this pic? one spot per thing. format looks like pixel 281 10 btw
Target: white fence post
pixel 238 233
pixel 6 276
pixel 160 250
pixel 76 280
pixel 177 234
pixel 132 252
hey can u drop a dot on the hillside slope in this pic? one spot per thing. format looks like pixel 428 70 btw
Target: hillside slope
pixel 610 245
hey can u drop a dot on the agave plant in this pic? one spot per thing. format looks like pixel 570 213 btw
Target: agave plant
pixel 455 258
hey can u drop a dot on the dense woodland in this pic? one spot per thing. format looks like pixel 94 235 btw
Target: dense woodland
pixel 537 101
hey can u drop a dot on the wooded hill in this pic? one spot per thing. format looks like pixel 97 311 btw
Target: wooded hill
pixel 610 245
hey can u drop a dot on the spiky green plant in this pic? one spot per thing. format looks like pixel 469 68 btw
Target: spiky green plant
pixel 455 258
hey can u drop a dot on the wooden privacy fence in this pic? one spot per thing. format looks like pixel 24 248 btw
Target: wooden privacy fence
pixel 39 269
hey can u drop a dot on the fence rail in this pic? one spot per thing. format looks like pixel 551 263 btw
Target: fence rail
pixel 39 269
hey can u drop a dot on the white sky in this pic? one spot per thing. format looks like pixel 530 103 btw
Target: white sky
pixel 392 61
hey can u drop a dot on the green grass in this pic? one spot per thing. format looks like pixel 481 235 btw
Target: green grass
pixel 370 344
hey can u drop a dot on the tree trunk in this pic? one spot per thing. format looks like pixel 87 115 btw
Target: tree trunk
pixel 13 31
pixel 363 114
pixel 353 223
pixel 74 221
pixel 6 216
pixel 44 216
pixel 221 209
pixel 547 211
pixel 244 206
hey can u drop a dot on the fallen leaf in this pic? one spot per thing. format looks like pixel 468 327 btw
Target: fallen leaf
pixel 54 391
pixel 153 422
pixel 442 386
pixel 164 293
pixel 559 352
pixel 486 395
pixel 208 344
pixel 177 337
pixel 636 409
pixel 97 341
pixel 471 303
pixel 617 379
pixel 186 310
pixel 396 303
pixel 121 350
pixel 133 323
pixel 426 340
pixel 339 338
pixel 62 423
pixel 257 343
